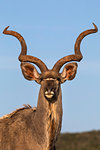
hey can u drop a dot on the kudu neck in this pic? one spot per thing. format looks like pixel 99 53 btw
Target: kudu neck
pixel 49 116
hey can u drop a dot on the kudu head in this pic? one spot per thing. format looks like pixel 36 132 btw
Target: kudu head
pixel 50 80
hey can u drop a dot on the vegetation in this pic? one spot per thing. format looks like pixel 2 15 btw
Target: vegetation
pixel 79 141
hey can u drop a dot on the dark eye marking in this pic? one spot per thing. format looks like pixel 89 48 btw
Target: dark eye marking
pixel 59 79
pixel 41 79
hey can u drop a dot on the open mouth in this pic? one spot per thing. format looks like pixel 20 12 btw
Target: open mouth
pixel 49 95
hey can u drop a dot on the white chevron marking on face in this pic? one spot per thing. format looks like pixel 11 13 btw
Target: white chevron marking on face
pixel 49 79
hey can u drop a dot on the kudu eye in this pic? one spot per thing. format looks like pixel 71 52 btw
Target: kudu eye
pixel 41 79
pixel 59 79
pixel 46 89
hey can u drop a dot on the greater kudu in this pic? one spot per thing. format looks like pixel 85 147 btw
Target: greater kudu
pixel 28 128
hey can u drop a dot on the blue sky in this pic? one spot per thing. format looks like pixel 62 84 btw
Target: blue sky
pixel 50 29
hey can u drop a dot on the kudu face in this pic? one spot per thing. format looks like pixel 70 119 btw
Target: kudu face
pixel 50 80
pixel 50 88
pixel 50 85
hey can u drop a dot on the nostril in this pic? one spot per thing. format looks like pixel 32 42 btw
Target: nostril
pixel 46 90
pixel 49 91
pixel 53 89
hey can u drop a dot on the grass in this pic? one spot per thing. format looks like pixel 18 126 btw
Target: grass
pixel 79 141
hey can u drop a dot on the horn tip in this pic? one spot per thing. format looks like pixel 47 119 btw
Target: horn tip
pixel 4 31
pixel 96 29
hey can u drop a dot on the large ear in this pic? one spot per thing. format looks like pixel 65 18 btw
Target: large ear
pixel 30 72
pixel 69 72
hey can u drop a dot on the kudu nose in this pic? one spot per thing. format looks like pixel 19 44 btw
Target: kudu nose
pixel 49 90
pixel 49 93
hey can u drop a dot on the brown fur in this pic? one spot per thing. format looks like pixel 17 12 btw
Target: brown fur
pixel 38 129
pixel 31 129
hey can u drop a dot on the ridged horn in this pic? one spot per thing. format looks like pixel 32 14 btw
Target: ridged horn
pixel 23 57
pixel 78 55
